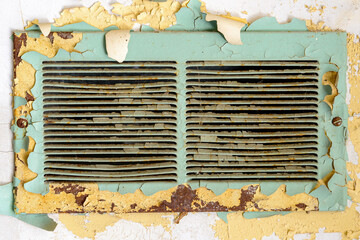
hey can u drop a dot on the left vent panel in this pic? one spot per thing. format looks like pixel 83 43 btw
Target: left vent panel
pixel 109 122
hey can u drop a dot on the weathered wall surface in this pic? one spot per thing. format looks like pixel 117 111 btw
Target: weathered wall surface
pixel 321 225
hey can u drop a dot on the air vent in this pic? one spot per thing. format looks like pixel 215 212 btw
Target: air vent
pixel 107 122
pixel 248 120
pixel 252 120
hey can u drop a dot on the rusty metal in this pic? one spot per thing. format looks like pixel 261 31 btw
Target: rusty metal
pixel 337 121
pixel 183 200
pixel 22 123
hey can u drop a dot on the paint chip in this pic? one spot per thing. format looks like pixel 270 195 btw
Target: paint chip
pixel 117 44
pixel 45 28
pixel 330 78
pixel 228 27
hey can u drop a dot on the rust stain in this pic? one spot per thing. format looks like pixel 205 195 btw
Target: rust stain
pixel 22 123
pixel 65 35
pixel 301 205
pixel 179 217
pixel 69 188
pixel 247 195
pixel 81 199
pixel 112 207
pixel 29 97
pixel 51 37
pixel 86 198
pixel 18 42
pixel 336 121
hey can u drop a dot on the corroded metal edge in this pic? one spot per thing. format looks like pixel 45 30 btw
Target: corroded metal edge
pixel 87 198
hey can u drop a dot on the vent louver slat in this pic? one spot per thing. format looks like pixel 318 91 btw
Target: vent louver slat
pixel 242 120
pixel 105 121
pixel 252 120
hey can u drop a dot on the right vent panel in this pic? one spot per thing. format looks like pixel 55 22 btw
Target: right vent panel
pixel 252 120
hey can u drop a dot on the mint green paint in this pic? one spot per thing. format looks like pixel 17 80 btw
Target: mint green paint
pixel 38 220
pixel 111 28
pixel 223 216
pixel 251 215
pixel 212 46
pixel 146 28
pixel 6 199
pixel 18 101
pixel 259 44
pixel 7 205
pixel 21 144
pixel 78 27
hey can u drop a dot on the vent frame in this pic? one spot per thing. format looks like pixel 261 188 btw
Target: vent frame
pixel 139 39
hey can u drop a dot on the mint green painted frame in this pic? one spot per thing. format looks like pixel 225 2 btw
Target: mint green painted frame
pixel 329 48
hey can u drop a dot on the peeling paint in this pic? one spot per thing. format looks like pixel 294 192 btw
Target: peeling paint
pixel 45 28
pixel 229 28
pixel 117 44
pixel 66 198
pixel 353 74
pixel 330 78
pixel 346 222
pixel 159 15
pixel 21 166
pixel 24 80
pixel 51 44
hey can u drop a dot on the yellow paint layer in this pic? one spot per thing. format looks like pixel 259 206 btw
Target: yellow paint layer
pixel 330 79
pixel 285 227
pixel 24 80
pixel 346 222
pixel 320 26
pixel 80 197
pixel 87 226
pixel 158 15
pixel 21 167
pixel 50 45
pixel 313 9
pixel 354 185
pixel 23 110
pixel 221 230
pixel 353 73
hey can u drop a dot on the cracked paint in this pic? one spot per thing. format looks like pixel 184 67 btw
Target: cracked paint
pixel 21 166
pixel 229 28
pixel 346 222
pixel 330 79
pixel 50 45
pixel 65 198
pixel 159 15
pixel 117 44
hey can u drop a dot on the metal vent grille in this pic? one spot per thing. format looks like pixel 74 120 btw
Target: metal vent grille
pixel 252 120
pixel 105 121
pixel 249 120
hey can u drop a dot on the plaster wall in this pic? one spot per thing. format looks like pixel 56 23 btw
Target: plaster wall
pixel 343 15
